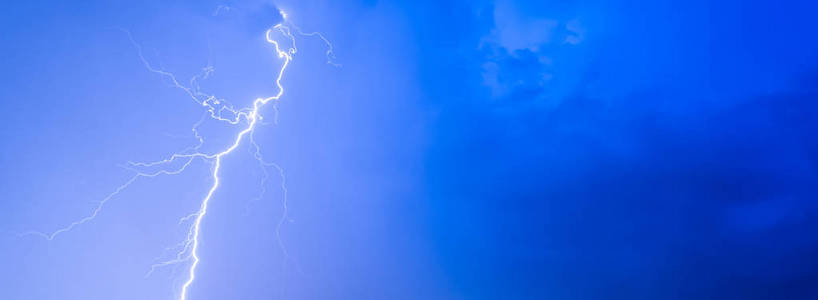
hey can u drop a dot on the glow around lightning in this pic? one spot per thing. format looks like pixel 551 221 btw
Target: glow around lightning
pixel 216 109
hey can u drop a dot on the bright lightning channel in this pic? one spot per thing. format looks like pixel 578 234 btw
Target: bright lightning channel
pixel 252 118
pixel 220 110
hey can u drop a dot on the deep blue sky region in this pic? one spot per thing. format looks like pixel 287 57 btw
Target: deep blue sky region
pixel 489 149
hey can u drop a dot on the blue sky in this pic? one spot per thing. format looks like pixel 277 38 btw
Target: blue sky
pixel 462 150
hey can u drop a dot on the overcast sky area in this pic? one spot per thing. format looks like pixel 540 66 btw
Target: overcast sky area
pixel 448 150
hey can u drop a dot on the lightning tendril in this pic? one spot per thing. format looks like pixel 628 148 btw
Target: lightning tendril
pixel 220 110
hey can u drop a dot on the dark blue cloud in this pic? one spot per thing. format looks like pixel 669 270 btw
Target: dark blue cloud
pixel 596 200
pixel 649 160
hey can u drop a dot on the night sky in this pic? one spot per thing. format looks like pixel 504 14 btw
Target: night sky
pixel 460 150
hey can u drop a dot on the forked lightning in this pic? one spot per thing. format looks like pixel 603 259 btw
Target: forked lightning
pixel 220 110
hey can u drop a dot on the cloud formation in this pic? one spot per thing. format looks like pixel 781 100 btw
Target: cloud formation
pixel 520 51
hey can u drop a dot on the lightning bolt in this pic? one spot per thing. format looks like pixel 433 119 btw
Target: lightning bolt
pixel 219 110
pixel 252 117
